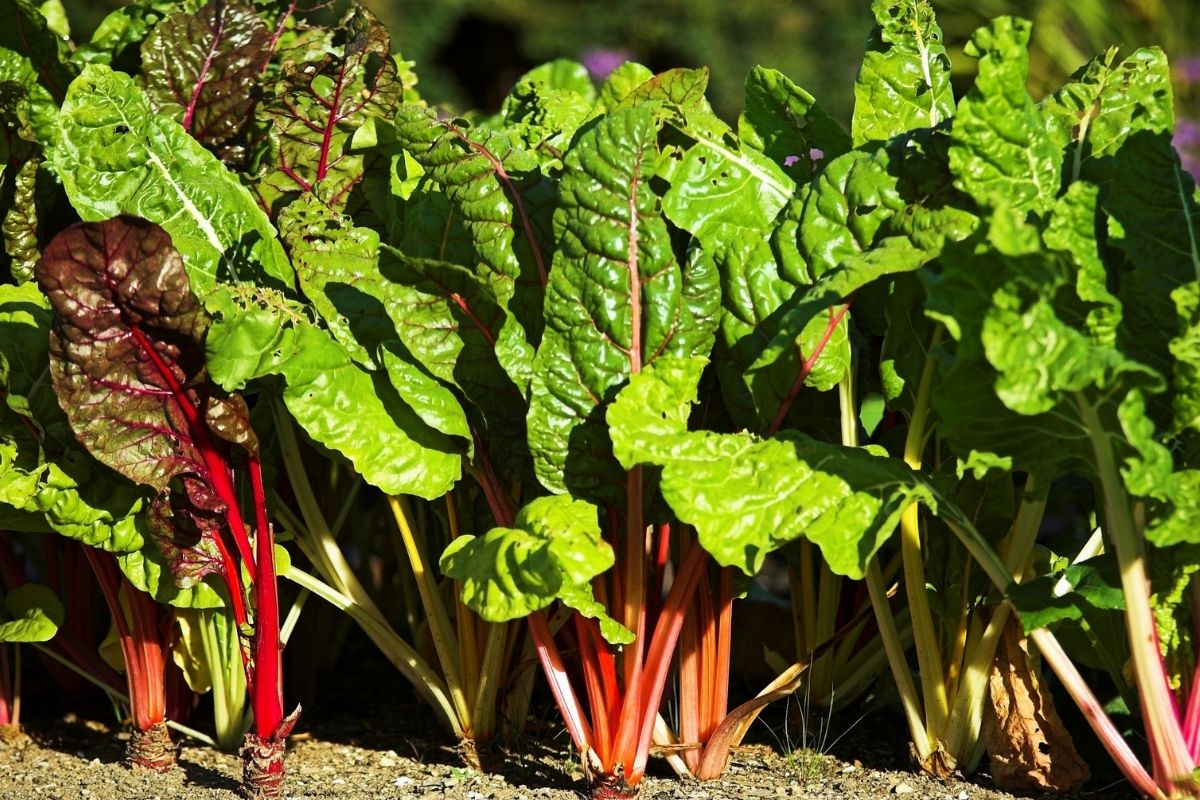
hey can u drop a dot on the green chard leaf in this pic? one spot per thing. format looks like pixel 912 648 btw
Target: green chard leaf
pixel 340 405
pixel 490 179
pixel 24 29
pixel 46 478
pixel 785 123
pixel 1002 151
pixel 201 69
pixel 1154 219
pixel 316 107
pixel 116 156
pixel 748 496
pixel 546 106
pixel 553 552
pixel 1104 104
pixel 616 302
pixel 36 614
pixel 335 262
pixel 904 80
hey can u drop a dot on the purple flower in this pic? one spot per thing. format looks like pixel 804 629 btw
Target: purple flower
pixel 1188 69
pixel 1187 134
pixel 816 154
pixel 790 160
pixel 600 61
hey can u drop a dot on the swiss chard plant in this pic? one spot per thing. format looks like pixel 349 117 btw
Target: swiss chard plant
pixel 127 363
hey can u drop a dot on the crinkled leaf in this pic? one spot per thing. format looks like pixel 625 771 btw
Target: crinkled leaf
pixel 117 157
pixel 315 108
pixel 27 104
pixel 553 552
pixel 1104 104
pixel 614 305
pixel 148 570
pixel 338 403
pixel 127 349
pixel 23 29
pixel 1171 495
pixel 803 331
pixel 620 83
pixel 201 69
pixel 748 496
pixel 488 178
pixel 904 80
pixel 121 31
pixel 45 478
pixel 36 614
pixel 546 106
pixel 20 225
pixel 785 123
pixel 1002 151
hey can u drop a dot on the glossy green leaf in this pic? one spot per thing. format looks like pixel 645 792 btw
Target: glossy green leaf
pixel 36 614
pixel 117 157
pixel 1104 104
pixel 1002 151
pixel 785 123
pixel 904 80
pixel 614 305
pixel 24 30
pixel 546 106
pixel 553 552
pixel 488 178
pixel 45 477
pixel 338 403
pixel 747 496
pixel 27 103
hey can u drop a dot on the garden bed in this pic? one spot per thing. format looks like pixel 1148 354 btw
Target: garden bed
pixel 72 757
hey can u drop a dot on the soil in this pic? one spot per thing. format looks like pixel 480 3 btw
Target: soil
pixel 70 758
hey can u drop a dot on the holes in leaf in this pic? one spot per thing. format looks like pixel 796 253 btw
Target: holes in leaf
pixel 864 209
pixel 121 130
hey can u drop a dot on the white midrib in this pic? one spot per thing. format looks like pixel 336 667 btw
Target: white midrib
pixel 765 177
pixel 201 221
pixel 189 207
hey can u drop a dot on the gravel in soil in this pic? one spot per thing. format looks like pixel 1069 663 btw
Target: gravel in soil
pixel 77 759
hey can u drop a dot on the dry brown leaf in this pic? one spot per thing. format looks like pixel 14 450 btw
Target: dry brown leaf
pixel 1030 749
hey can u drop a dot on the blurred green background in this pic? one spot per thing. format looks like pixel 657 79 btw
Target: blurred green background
pixel 469 52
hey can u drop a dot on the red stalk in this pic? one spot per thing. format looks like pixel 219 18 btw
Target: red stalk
pixel 267 686
pixel 658 662
pixel 806 368
pixel 8 695
pixel 595 684
pixel 560 683
pixel 150 745
pixel 658 568
pixel 724 649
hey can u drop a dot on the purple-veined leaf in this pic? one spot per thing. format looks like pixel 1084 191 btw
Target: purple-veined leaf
pixel 318 105
pixel 201 67
pixel 127 362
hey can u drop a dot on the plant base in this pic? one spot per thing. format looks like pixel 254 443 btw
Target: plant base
pixel 262 761
pixel 13 736
pixel 479 755
pixel 151 749
pixel 611 787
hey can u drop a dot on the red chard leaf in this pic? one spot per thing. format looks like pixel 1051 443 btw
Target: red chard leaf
pixel 127 352
pixel 187 526
pixel 127 361
pixel 201 69
pixel 316 108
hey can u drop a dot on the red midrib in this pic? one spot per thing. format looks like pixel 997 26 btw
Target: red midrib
pixel 331 123
pixel 218 34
